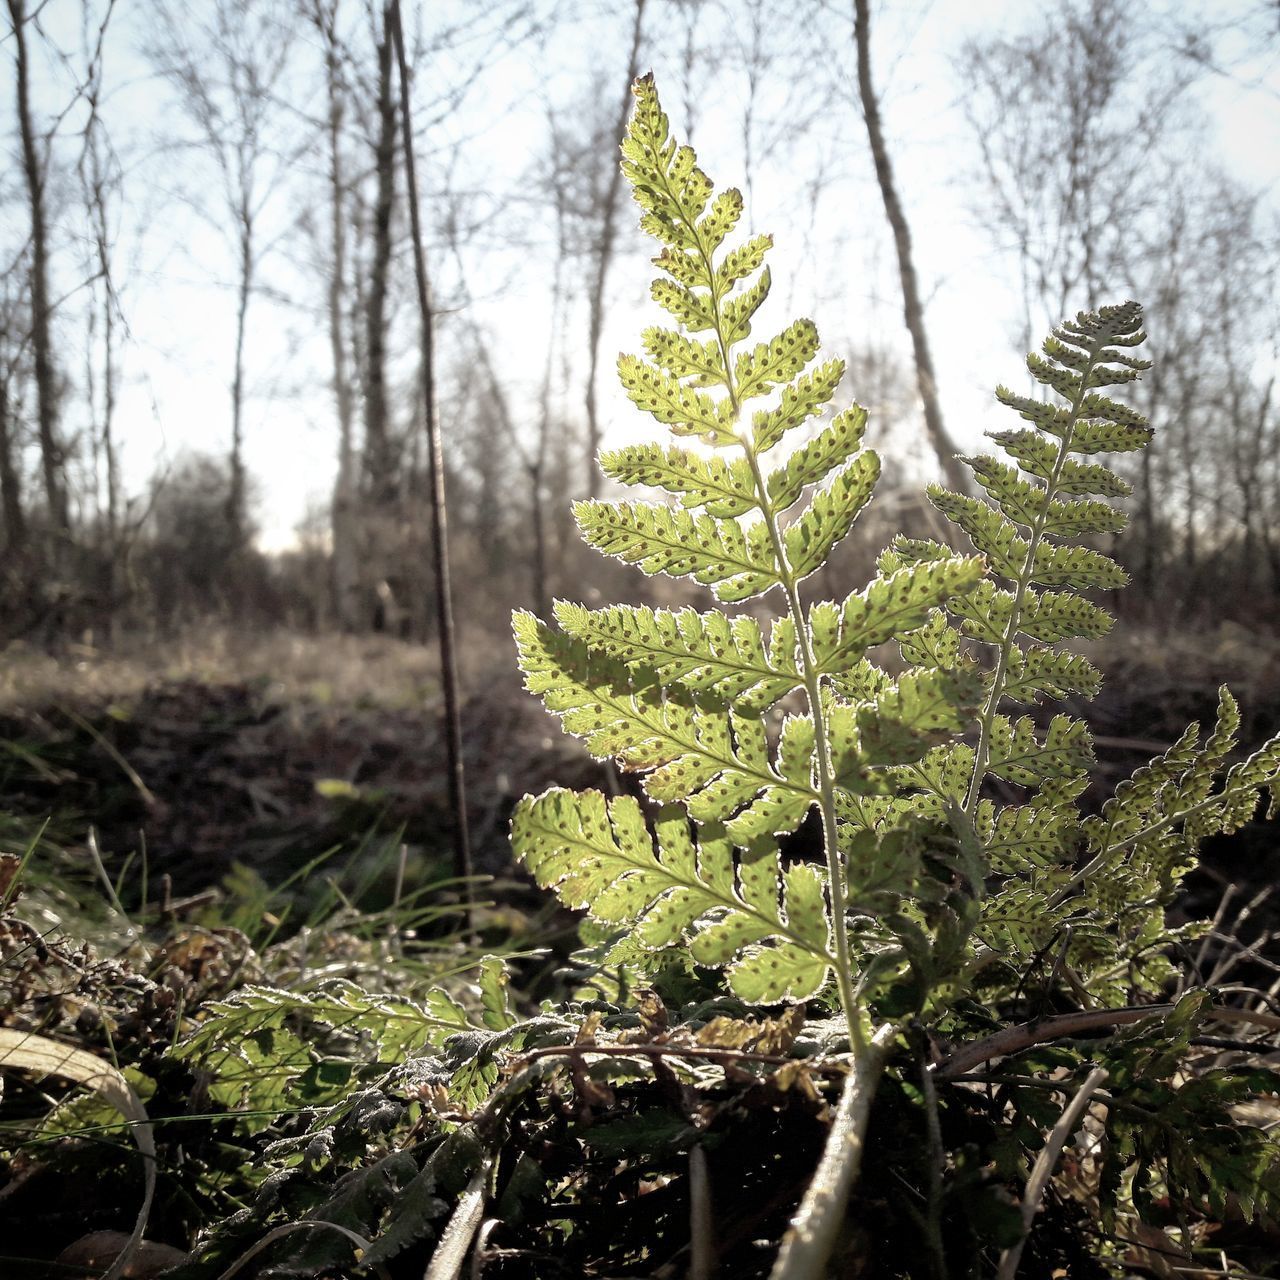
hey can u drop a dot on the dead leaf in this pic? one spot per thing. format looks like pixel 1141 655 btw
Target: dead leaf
pixel 99 1249
pixel 49 1058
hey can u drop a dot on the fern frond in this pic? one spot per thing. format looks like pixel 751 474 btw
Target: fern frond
pixel 1012 556
pixel 800 400
pixel 703 652
pixel 813 462
pixel 721 487
pixel 686 411
pixel 1148 832
pixel 1023 503
pixel 682 357
pixel 829 517
pixel 714 760
pixel 738 561
pixel 767 926
pixel 1038 457
pixel 1047 616
pixel 1037 670
pixel 766 366
pixel 910 715
pixel 1019 756
pixel 889 605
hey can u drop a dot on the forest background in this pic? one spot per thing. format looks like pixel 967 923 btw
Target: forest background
pixel 209 350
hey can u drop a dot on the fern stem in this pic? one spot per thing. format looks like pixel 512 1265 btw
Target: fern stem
pixel 822 753
pixel 982 752
pixel 812 1235
pixel 808 670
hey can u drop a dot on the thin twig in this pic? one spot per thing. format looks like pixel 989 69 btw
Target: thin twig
pixel 435 457
pixel 702 1260
pixel 937 1161
pixel 1025 1035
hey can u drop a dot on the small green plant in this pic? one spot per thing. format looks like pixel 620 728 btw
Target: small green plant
pixel 934 897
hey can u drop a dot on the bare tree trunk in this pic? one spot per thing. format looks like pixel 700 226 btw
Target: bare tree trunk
pixel 51 455
pixel 952 469
pixel 237 519
pixel 346 573
pixel 604 257
pixel 15 523
pixel 378 460
pixel 435 458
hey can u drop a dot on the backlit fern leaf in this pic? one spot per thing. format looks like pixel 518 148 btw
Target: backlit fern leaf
pixel 933 876
pixel 703 652
pixel 723 488
pixel 714 760
pixel 768 926
pixel 737 561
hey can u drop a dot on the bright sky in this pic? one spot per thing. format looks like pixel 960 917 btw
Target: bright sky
pixel 834 263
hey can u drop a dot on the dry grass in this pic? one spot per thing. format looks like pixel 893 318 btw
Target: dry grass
pixel 341 670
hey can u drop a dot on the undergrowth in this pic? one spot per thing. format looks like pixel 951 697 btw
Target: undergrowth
pixel 861 988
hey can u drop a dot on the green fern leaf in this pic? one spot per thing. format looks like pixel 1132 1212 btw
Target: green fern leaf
pixel 816 460
pixel 1025 504
pixel 686 411
pixel 736 312
pixel 914 712
pixel 693 310
pixel 891 604
pixel 601 857
pixel 1022 838
pixel 723 488
pixel 657 539
pixel 766 366
pixel 936 644
pixel 741 262
pixel 1017 755
pixel 714 760
pixel 721 219
pixel 705 653
pixel 1006 550
pixel 683 357
pixel 1039 456
pixel 1035 671
pixel 1048 616
pixel 1108 437
pixel 830 516
pixel 495 995
pixel 686 269
pixel 799 401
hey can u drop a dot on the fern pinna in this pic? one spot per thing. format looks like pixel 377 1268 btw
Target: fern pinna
pixel 929 886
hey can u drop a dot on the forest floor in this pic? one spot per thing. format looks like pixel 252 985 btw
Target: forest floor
pixel 266 750
pixel 267 781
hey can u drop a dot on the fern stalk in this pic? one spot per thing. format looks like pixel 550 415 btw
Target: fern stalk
pixel 808 672
pixel 810 1239
pixel 821 738
pixel 982 752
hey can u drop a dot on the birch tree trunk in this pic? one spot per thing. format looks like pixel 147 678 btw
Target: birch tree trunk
pixel 953 470
pixel 604 256
pixel 52 461
pixel 343 514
